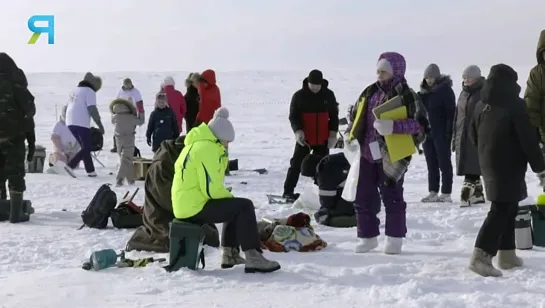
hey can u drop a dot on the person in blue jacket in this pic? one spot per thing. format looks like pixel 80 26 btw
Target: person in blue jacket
pixel 438 97
pixel 162 123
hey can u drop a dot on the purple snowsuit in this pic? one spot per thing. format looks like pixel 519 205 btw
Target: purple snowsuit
pixel 382 175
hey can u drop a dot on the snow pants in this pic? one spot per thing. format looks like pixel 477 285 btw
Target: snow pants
pixel 371 181
pixel 125 150
pixel 238 218
pixel 83 136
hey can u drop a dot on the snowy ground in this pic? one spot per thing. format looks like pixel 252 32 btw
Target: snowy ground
pixel 40 261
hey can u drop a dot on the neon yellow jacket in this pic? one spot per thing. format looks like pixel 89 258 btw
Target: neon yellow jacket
pixel 199 173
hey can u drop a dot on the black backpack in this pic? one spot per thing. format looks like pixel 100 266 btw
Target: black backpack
pixel 97 140
pixel 98 211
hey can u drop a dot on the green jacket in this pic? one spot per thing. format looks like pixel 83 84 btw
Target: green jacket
pixel 535 89
pixel 199 173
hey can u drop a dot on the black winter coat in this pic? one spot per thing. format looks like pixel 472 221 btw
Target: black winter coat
pixel 505 139
pixel 440 102
pixel 192 101
pixel 162 125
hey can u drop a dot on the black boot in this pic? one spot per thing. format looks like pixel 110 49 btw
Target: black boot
pixel 16 207
pixel 114 149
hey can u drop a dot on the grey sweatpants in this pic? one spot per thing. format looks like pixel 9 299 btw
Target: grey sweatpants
pixel 125 150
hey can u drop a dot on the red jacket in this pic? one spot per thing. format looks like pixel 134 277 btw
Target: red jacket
pixel 210 97
pixel 177 103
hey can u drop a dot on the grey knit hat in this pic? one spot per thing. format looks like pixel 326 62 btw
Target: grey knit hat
pixel 221 127
pixel 432 71
pixel 472 71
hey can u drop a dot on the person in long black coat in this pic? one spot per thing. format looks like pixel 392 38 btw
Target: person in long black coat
pixel 192 101
pixel 506 142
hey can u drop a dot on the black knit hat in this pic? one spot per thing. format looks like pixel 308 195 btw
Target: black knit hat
pixel 315 77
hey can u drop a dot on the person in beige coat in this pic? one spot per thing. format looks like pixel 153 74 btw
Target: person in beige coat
pixel 125 119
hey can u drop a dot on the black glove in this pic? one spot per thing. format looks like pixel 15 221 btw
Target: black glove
pixel 31 150
pixel 148 141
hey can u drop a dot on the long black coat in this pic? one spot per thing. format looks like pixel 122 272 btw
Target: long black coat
pixel 467 158
pixel 505 139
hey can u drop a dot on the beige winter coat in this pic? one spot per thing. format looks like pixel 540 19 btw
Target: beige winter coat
pixel 124 117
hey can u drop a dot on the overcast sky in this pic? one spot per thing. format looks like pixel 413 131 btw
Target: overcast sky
pixel 143 35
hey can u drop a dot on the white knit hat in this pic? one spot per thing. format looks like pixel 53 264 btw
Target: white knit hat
pixel 221 127
pixel 169 81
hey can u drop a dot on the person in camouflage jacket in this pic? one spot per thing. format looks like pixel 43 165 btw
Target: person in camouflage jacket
pixel 16 107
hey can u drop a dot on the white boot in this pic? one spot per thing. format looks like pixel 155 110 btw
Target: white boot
pixel 366 244
pixel 481 263
pixel 432 197
pixel 445 198
pixel 393 245
pixel 507 259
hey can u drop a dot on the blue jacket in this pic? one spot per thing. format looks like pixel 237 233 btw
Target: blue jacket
pixel 162 125
pixel 440 102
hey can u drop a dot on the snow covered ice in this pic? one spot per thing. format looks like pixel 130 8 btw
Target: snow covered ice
pixel 40 261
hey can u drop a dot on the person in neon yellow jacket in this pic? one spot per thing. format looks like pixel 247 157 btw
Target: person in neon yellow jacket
pixel 200 196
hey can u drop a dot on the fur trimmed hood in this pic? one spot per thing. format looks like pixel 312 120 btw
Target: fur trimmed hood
pixel 442 82
pixel 122 106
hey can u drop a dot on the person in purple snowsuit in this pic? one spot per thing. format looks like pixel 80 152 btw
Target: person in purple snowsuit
pixel 377 172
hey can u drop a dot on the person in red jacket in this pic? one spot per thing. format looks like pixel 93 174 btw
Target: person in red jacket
pixel 175 100
pixel 210 96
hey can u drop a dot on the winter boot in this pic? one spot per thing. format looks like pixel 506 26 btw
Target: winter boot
pixel 256 263
pixel 393 245
pixel 481 263
pixel 118 182
pixel 290 197
pixel 478 194
pixel 16 207
pixel 468 190
pixel 366 244
pixel 445 198
pixel 231 257
pixel 432 197
pixel 507 259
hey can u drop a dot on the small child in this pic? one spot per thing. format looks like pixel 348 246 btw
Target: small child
pixel 162 123
pixel 125 119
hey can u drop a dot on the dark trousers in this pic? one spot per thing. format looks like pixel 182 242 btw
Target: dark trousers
pixel 83 136
pixel 115 145
pixel 190 123
pixel 238 218
pixel 472 178
pixel 438 160
pixel 12 165
pixel 299 153
pixel 498 229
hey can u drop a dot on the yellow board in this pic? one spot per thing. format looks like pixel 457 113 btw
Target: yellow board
pixel 399 145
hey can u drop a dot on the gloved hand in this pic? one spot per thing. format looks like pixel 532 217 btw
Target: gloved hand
pixel 300 138
pixel 541 177
pixel 332 140
pixel 31 151
pixel 350 146
pixel 148 141
pixel 384 127
pixel 101 129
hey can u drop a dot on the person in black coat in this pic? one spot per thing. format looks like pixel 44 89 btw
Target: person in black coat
pixel 440 102
pixel 314 120
pixel 192 100
pixel 506 142
pixel 162 123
